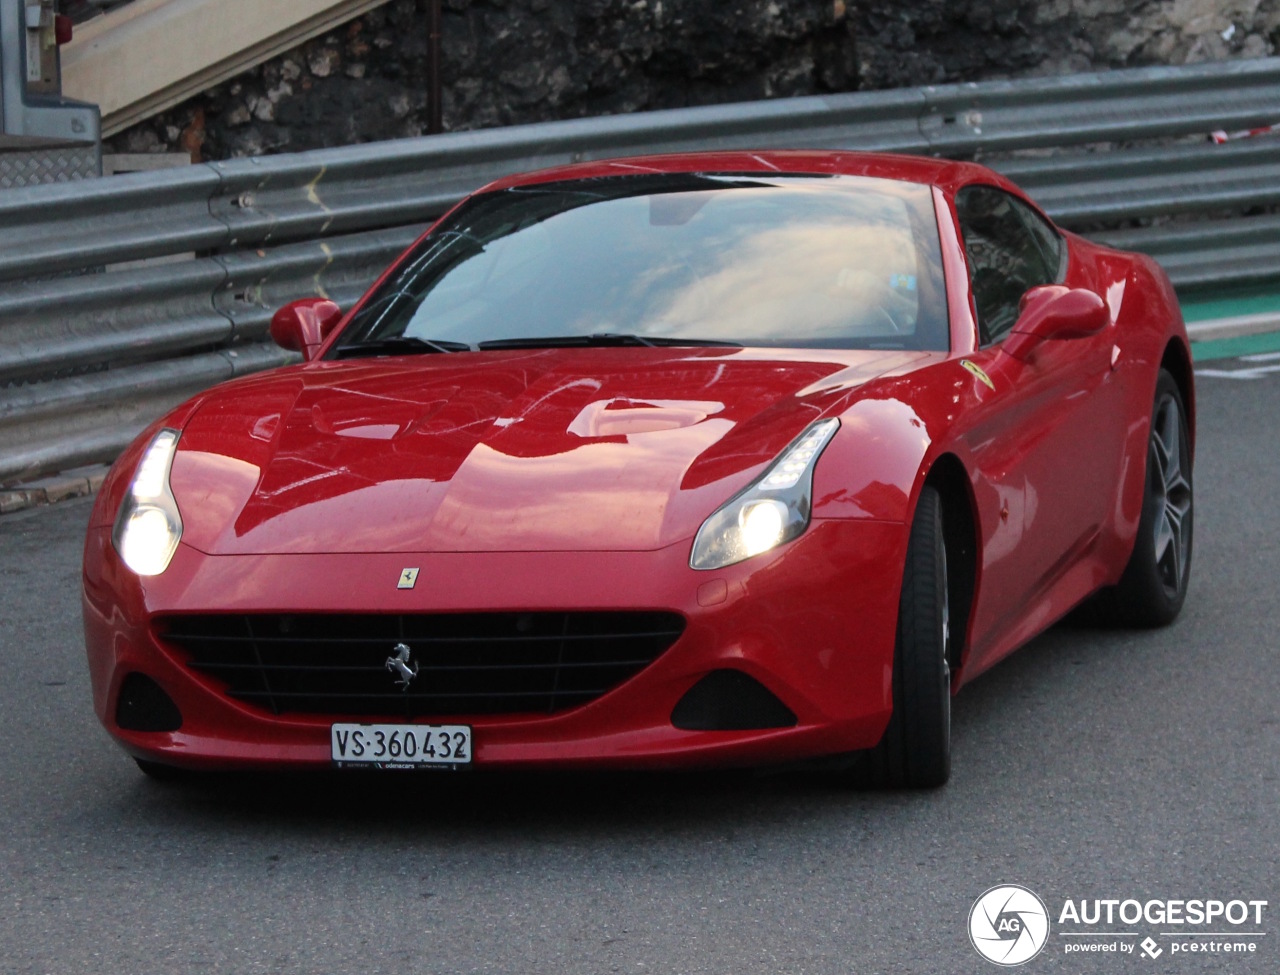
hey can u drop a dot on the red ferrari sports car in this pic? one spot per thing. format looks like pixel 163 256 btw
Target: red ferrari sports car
pixel 732 458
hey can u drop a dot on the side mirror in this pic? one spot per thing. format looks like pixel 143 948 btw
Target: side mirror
pixel 1054 312
pixel 303 325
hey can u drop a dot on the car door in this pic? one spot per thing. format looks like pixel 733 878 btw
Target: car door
pixel 1044 445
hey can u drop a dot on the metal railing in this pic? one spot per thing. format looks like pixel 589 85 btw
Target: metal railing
pixel 93 344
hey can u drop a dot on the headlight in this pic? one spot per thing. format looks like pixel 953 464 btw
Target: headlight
pixel 772 510
pixel 149 526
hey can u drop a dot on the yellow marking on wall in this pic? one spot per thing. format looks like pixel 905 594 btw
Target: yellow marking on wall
pixel 314 197
pixel 328 254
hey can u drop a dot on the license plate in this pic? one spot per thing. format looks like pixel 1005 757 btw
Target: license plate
pixel 399 745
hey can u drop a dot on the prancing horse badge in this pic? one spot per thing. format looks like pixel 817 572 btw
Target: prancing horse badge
pixel 399 664
pixel 408 579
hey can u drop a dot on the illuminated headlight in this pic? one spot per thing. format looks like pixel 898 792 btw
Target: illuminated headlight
pixel 148 527
pixel 772 510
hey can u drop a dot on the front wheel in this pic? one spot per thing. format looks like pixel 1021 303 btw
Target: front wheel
pixel 916 748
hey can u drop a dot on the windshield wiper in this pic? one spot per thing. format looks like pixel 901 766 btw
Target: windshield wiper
pixel 398 345
pixel 597 339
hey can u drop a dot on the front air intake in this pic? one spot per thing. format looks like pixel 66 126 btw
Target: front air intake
pixel 142 705
pixel 729 700
pixel 454 664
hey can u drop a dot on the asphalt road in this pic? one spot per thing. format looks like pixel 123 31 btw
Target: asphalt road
pixel 1089 765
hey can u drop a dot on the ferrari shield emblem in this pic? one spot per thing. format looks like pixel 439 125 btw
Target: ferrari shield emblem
pixel 408 579
pixel 978 371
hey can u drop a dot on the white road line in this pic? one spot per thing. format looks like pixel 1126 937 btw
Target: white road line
pixel 1257 372
pixel 1233 327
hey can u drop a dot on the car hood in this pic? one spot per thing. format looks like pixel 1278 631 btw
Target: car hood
pixel 551 449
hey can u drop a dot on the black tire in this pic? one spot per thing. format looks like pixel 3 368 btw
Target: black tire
pixel 915 751
pixel 159 772
pixel 1154 585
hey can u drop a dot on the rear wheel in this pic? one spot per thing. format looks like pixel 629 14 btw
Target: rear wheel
pixel 916 748
pixel 1154 585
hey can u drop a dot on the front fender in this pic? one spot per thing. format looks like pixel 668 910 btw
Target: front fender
pixel 875 465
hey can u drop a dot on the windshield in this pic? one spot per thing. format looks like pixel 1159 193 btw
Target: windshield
pixel 793 261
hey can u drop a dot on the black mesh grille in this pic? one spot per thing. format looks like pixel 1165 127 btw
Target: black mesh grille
pixel 473 663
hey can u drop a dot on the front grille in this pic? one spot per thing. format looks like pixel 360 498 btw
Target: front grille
pixel 467 663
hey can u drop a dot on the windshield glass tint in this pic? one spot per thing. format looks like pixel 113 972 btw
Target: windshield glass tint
pixel 799 261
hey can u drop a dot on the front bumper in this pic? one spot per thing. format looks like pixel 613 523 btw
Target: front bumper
pixel 813 621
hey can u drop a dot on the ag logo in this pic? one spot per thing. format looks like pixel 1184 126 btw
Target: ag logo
pixel 1008 925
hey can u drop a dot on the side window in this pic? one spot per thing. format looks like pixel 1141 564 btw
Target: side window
pixel 1050 242
pixel 1010 249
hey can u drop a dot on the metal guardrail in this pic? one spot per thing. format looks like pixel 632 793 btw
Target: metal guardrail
pixel 92 345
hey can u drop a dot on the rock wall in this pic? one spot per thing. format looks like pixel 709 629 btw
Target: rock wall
pixel 933 41
pixel 512 61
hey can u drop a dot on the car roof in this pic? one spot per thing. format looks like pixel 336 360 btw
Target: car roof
pixel 944 173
